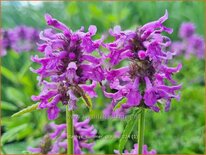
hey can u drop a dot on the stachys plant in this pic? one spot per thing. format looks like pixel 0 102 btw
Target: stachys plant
pixel 146 81
pixel 69 71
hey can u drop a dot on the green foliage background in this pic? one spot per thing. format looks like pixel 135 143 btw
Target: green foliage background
pixel 178 131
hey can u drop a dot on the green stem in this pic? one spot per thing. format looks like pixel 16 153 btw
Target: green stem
pixel 141 123
pixel 70 131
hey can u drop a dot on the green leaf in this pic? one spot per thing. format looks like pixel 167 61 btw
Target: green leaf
pixel 161 106
pixel 128 129
pixel 103 142
pixel 8 106
pixel 15 148
pixel 11 123
pixel 15 95
pixel 119 104
pixel 26 132
pixel 9 75
pixel 87 100
pixel 24 69
pixel 11 134
pixel 26 110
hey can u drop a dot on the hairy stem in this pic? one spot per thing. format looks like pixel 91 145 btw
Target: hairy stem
pixel 141 123
pixel 70 131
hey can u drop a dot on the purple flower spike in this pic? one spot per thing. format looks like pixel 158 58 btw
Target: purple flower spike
pixel 197 46
pixel 68 65
pixel 134 150
pixel 186 30
pixel 56 140
pixel 143 81
pixel 20 39
pixel 24 38
pixel 190 44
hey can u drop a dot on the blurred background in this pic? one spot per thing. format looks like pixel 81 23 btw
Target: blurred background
pixel 181 130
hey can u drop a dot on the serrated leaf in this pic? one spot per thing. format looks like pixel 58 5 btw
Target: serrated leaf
pixel 26 110
pixel 128 129
pixel 119 104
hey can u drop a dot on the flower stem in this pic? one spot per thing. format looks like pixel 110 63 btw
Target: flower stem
pixel 141 123
pixel 70 131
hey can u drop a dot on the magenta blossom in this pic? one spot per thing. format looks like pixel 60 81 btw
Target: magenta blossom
pixel 23 38
pixel 19 39
pixel 66 66
pixel 57 139
pixel 134 150
pixel 190 44
pixel 186 30
pixel 142 82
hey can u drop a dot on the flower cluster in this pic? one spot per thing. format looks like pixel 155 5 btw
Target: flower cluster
pixel 68 66
pixel 142 81
pixel 134 150
pixel 56 141
pixel 19 39
pixel 69 70
pixel 190 43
